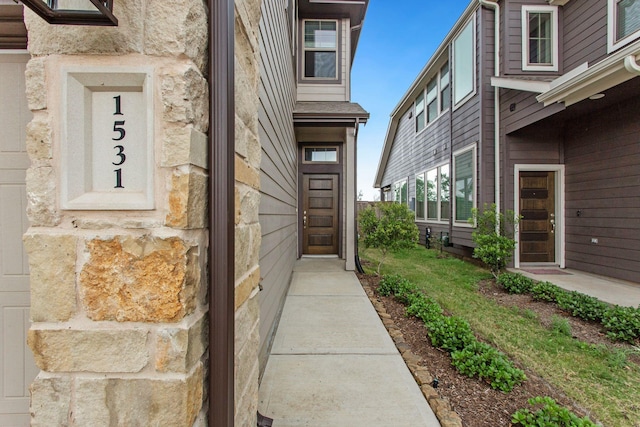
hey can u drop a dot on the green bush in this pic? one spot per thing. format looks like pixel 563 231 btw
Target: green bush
pixel 388 227
pixel 549 414
pixel 515 283
pixel 622 323
pixel 546 291
pixel 485 362
pixel 493 237
pixel 423 307
pixel 583 306
pixel 450 333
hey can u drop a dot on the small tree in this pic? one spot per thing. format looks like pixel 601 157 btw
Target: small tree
pixel 388 227
pixel 494 237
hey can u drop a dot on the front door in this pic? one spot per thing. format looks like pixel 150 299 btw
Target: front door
pixel 538 222
pixel 17 368
pixel 320 214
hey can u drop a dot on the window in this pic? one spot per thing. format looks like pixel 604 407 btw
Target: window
pixel 420 196
pixel 464 64
pixel 320 49
pixel 432 100
pixel 445 88
pixel 419 107
pixel 437 195
pixel 464 172
pixel 320 155
pixel 540 38
pixel 623 23
pixel 401 192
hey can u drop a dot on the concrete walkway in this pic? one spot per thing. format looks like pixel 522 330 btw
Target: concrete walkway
pixel 605 289
pixel 333 362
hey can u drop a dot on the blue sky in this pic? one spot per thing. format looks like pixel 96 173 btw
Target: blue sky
pixel 398 38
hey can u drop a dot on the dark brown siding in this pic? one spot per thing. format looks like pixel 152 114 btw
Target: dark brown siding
pixel 602 157
pixel 585 33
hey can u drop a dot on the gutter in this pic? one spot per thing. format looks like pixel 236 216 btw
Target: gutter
pixel 496 109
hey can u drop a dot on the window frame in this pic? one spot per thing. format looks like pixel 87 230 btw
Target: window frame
pixel 454 182
pixel 438 218
pixel 555 39
pixel 437 91
pixel 397 189
pixel 423 111
pixel 325 147
pixel 424 193
pixel 613 43
pixel 304 49
pixel 441 87
pixel 454 67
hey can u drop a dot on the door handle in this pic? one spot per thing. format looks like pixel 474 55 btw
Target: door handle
pixel 553 225
pixel 304 221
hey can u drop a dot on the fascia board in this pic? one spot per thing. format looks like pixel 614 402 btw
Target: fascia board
pixel 386 150
pixel 519 84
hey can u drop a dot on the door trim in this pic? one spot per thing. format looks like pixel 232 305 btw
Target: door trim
pixel 559 208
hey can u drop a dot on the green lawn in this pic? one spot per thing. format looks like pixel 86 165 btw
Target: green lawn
pixel 597 378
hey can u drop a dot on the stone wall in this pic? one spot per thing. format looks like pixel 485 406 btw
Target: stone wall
pixel 119 298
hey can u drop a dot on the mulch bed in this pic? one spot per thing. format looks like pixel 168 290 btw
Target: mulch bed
pixel 477 404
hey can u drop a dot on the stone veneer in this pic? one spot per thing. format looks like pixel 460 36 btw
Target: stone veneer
pixel 119 298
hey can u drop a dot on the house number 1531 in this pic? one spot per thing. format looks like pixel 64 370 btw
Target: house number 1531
pixel 118 128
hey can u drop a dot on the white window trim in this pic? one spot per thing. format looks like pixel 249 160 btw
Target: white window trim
pixel 452 65
pixel 612 44
pixel 424 111
pixel 473 147
pixel 439 220
pixel 560 207
pixel 415 181
pixel 305 49
pixel 444 110
pixel 438 78
pixel 400 182
pixel 526 9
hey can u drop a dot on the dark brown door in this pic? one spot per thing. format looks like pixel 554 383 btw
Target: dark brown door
pixel 320 215
pixel 538 223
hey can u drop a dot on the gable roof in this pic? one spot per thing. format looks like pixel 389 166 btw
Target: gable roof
pixel 417 85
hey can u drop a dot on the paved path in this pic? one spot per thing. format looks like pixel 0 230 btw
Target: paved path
pixel 333 362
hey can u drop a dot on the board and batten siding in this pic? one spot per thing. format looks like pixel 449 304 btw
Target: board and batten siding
pixel 329 91
pixel 602 178
pixel 278 168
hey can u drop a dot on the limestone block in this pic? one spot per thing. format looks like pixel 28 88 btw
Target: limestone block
pixel 249 204
pixel 246 360
pixel 45 39
pixel 171 401
pixel 50 401
pixel 246 321
pixel 145 279
pixel 73 350
pixel 176 28
pixel 38 138
pixel 246 287
pixel 246 97
pixel 188 200
pixel 185 97
pixel 36 84
pixel 246 174
pixel 247 248
pixel 183 145
pixel 41 197
pixel 179 349
pixel 52 263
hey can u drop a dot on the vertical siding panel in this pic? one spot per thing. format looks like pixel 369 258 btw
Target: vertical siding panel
pixel 278 167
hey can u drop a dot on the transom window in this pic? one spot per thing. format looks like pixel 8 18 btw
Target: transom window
pixel 540 38
pixel 320 49
pixel 464 180
pixel 434 100
pixel 624 22
pixel 321 155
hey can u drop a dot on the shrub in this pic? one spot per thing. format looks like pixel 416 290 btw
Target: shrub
pixel 483 361
pixel 424 308
pixel 493 237
pixel 450 333
pixel 388 227
pixel 622 323
pixel 583 306
pixel 549 414
pixel 546 291
pixel 515 283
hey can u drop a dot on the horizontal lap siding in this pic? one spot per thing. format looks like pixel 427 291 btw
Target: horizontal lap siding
pixel 585 33
pixel 602 156
pixel 278 169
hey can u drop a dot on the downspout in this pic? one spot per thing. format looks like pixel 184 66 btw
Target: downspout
pixel 221 213
pixel 496 108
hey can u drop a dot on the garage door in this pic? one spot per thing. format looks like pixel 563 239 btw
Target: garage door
pixel 16 363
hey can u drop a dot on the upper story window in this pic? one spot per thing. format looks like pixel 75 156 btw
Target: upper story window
pixel 434 99
pixel 540 38
pixel 321 49
pixel 464 64
pixel 623 23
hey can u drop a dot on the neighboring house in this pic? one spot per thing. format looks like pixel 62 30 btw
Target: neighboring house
pixel 120 302
pixel 556 112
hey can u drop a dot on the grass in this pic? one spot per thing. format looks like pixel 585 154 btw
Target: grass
pixel 595 377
